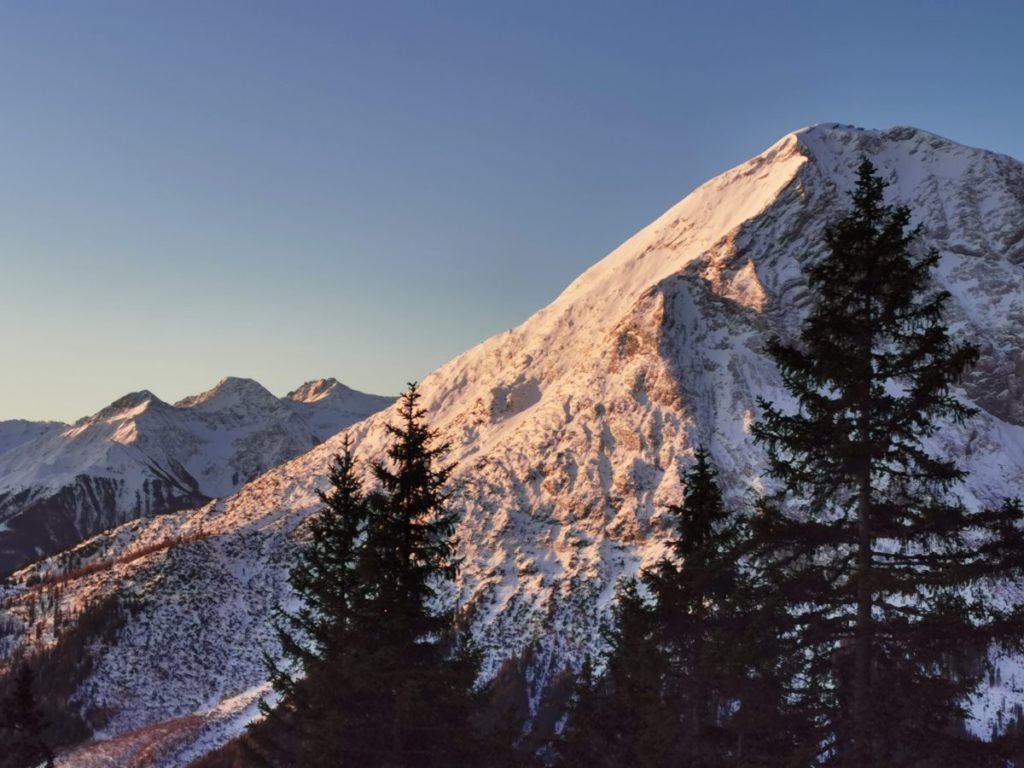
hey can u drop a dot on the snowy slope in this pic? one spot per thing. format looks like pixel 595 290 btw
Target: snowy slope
pixel 140 456
pixel 18 431
pixel 572 430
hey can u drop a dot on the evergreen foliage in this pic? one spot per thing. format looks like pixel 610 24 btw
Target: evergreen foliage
pixel 322 638
pixel 424 667
pixel 623 717
pixel 874 559
pixel 682 652
pixel 22 724
pixel 696 592
pixel 388 673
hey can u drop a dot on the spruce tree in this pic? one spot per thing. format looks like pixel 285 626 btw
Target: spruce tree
pixel 424 666
pixel 683 651
pixel 388 671
pixel 715 625
pixel 623 717
pixel 321 642
pixel 22 724
pixel 883 573
pixel 694 590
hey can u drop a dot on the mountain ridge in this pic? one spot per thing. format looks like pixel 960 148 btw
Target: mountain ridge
pixel 141 456
pixel 571 433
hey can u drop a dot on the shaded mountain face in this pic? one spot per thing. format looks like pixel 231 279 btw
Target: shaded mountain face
pixel 18 431
pixel 571 433
pixel 140 457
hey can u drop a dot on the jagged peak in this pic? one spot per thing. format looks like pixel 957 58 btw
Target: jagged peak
pixel 131 401
pixel 895 133
pixel 680 235
pixel 725 202
pixel 316 389
pixel 705 226
pixel 230 388
pixel 897 149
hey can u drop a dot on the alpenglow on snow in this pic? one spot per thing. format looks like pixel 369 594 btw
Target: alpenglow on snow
pixel 571 433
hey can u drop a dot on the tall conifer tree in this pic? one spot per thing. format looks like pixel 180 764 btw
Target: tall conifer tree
pixel 695 591
pixel 318 716
pixel 623 717
pixel 423 662
pixel 873 556
pixel 681 654
pixel 389 671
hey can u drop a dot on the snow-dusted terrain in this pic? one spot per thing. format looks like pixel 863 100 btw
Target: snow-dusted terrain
pixel 141 456
pixel 571 433
pixel 18 431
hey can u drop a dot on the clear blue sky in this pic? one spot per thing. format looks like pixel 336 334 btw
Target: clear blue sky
pixel 289 190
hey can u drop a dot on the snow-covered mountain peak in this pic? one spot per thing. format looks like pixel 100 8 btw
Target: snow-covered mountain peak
pixel 229 393
pixel 570 433
pixel 685 231
pixel 854 140
pixel 134 399
pixel 733 230
pixel 708 215
pixel 329 405
pixel 315 390
pixel 124 407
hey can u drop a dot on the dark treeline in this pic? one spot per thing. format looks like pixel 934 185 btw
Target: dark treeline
pixel 38 712
pixel 844 620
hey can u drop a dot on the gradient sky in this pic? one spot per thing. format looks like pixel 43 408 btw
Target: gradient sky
pixel 290 190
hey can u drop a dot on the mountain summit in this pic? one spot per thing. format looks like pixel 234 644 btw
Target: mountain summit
pixel 327 403
pixel 315 390
pixel 571 433
pixel 139 457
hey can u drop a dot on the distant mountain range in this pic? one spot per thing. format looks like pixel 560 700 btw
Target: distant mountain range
pixel 570 435
pixel 140 457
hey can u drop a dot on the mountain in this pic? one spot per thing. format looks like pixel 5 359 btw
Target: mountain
pixel 571 433
pixel 18 431
pixel 140 457
pixel 328 406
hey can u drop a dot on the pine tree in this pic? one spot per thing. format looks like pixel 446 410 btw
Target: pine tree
pixel 423 661
pixel 682 652
pixel 388 670
pixel 623 717
pixel 694 590
pixel 318 715
pixel 873 557
pixel 22 724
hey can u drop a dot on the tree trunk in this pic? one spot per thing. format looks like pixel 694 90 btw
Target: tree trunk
pixel 860 755
pixel 697 704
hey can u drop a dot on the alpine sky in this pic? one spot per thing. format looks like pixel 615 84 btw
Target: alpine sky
pixel 293 190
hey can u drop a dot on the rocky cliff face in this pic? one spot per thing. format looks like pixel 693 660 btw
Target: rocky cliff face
pixel 141 457
pixel 571 433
